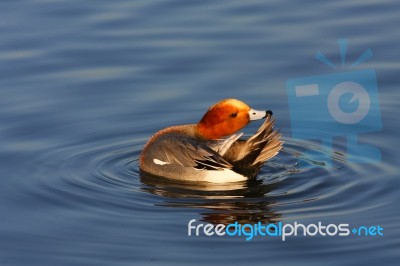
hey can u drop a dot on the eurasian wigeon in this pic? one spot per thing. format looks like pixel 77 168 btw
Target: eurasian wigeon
pixel 197 152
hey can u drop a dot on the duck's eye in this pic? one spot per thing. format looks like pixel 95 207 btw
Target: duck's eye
pixel 233 115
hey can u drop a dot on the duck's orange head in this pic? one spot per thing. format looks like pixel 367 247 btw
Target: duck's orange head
pixel 226 117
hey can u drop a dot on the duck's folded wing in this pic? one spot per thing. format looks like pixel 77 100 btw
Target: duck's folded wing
pixel 222 146
pixel 188 152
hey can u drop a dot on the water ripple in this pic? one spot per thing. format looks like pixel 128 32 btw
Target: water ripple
pixel 284 190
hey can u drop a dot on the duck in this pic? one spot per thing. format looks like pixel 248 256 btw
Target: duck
pixel 212 151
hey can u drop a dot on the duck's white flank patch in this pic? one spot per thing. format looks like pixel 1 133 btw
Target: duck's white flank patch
pixel 223 176
pixel 159 162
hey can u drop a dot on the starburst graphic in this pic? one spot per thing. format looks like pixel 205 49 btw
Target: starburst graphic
pixel 343 51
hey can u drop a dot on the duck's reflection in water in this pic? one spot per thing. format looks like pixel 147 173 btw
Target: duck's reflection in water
pixel 244 202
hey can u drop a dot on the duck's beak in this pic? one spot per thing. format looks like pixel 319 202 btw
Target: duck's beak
pixel 256 115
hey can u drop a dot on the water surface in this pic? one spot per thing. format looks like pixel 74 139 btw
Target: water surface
pixel 84 85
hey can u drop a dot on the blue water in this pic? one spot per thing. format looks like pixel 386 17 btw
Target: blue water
pixel 83 85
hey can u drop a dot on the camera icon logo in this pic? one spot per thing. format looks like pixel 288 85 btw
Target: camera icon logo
pixel 343 104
